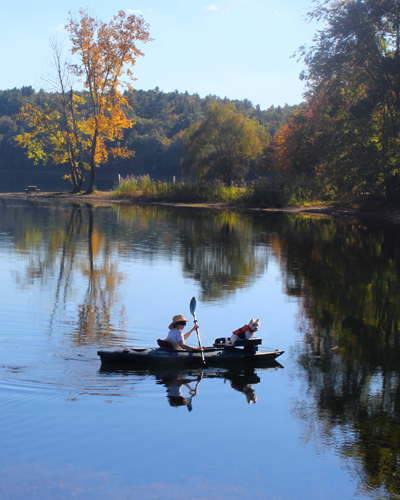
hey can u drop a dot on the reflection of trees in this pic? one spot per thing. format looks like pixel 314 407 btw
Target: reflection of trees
pixel 221 250
pixel 347 278
pixel 103 280
pixel 67 257
pixel 69 244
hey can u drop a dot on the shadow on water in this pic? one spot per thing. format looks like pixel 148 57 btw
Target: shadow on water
pixel 175 381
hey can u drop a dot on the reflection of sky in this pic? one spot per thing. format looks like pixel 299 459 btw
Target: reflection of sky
pixel 161 291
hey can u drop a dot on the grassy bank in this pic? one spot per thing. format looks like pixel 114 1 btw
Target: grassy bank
pixel 276 192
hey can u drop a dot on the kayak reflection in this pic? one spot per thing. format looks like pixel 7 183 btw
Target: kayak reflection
pixel 183 385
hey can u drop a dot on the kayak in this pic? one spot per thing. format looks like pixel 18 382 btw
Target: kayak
pixel 219 355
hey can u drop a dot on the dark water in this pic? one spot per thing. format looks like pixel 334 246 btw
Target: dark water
pixel 324 424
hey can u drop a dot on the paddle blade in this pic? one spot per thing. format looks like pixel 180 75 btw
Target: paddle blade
pixel 192 306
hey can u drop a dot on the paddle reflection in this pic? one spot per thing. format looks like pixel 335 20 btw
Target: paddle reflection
pixel 176 384
pixel 182 385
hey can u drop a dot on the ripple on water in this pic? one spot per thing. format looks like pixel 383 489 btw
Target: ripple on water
pixel 72 376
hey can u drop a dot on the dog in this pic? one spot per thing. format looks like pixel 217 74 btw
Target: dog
pixel 246 332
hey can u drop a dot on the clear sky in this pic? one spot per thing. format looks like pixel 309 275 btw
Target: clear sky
pixel 234 48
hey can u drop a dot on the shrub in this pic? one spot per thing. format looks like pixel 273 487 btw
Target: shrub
pixel 282 191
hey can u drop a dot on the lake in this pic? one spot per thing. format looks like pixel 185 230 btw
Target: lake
pixel 75 278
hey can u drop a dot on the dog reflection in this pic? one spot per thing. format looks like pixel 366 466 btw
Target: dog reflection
pixel 247 390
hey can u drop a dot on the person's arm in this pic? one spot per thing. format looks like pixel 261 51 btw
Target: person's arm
pixel 186 335
pixel 186 347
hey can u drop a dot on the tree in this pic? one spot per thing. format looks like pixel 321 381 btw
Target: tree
pixel 292 150
pixel 222 145
pixel 56 130
pixel 76 127
pixel 106 52
pixel 354 65
pixel 50 138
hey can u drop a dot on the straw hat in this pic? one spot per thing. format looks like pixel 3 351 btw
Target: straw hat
pixel 177 319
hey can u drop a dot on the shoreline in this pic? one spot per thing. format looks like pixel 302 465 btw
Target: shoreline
pixel 364 208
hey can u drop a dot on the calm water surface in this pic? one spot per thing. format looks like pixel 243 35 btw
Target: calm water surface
pixel 324 424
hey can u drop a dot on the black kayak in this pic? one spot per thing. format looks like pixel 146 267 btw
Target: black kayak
pixel 220 355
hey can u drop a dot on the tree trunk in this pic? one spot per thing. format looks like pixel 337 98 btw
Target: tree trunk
pixel 73 178
pixel 92 187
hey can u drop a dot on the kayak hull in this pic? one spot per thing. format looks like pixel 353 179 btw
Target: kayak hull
pixel 214 357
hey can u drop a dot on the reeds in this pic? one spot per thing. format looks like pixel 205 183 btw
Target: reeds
pixel 181 192
pixel 276 192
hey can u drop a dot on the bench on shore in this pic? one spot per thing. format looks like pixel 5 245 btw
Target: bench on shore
pixel 32 189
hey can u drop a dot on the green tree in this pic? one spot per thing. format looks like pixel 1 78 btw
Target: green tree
pixel 222 145
pixel 353 80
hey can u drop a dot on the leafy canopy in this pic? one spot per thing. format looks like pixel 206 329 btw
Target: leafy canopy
pixel 222 145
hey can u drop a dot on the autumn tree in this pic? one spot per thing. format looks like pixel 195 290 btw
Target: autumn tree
pixel 293 148
pixel 79 129
pixel 106 52
pixel 222 145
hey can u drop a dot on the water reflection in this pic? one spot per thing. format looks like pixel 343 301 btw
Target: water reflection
pixel 174 384
pixel 347 277
pixel 182 385
pixel 220 250
pixel 343 274
pixel 102 284
pixel 78 245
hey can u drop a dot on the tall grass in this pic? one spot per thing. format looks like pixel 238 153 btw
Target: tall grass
pixel 276 192
pixel 184 192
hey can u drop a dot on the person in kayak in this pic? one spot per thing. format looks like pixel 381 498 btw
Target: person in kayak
pixel 177 338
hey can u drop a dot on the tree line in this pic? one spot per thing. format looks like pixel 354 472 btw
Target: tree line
pixel 157 136
pixel 88 129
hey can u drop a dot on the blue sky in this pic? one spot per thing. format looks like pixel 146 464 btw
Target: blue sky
pixel 234 48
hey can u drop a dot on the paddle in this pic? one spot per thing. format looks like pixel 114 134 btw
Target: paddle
pixel 199 379
pixel 193 312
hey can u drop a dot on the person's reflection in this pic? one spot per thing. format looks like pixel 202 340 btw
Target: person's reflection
pixel 175 385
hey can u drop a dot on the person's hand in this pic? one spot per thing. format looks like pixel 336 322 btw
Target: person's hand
pixel 196 326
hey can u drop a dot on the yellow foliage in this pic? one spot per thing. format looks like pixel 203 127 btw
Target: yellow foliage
pixel 106 52
pixel 74 128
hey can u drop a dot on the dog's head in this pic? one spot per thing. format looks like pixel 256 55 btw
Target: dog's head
pixel 254 324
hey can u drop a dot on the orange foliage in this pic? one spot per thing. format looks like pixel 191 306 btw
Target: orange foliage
pixel 106 52
pixel 293 148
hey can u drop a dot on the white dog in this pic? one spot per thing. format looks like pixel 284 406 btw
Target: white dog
pixel 246 332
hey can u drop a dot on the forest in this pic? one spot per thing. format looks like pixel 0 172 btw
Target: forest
pixel 157 136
